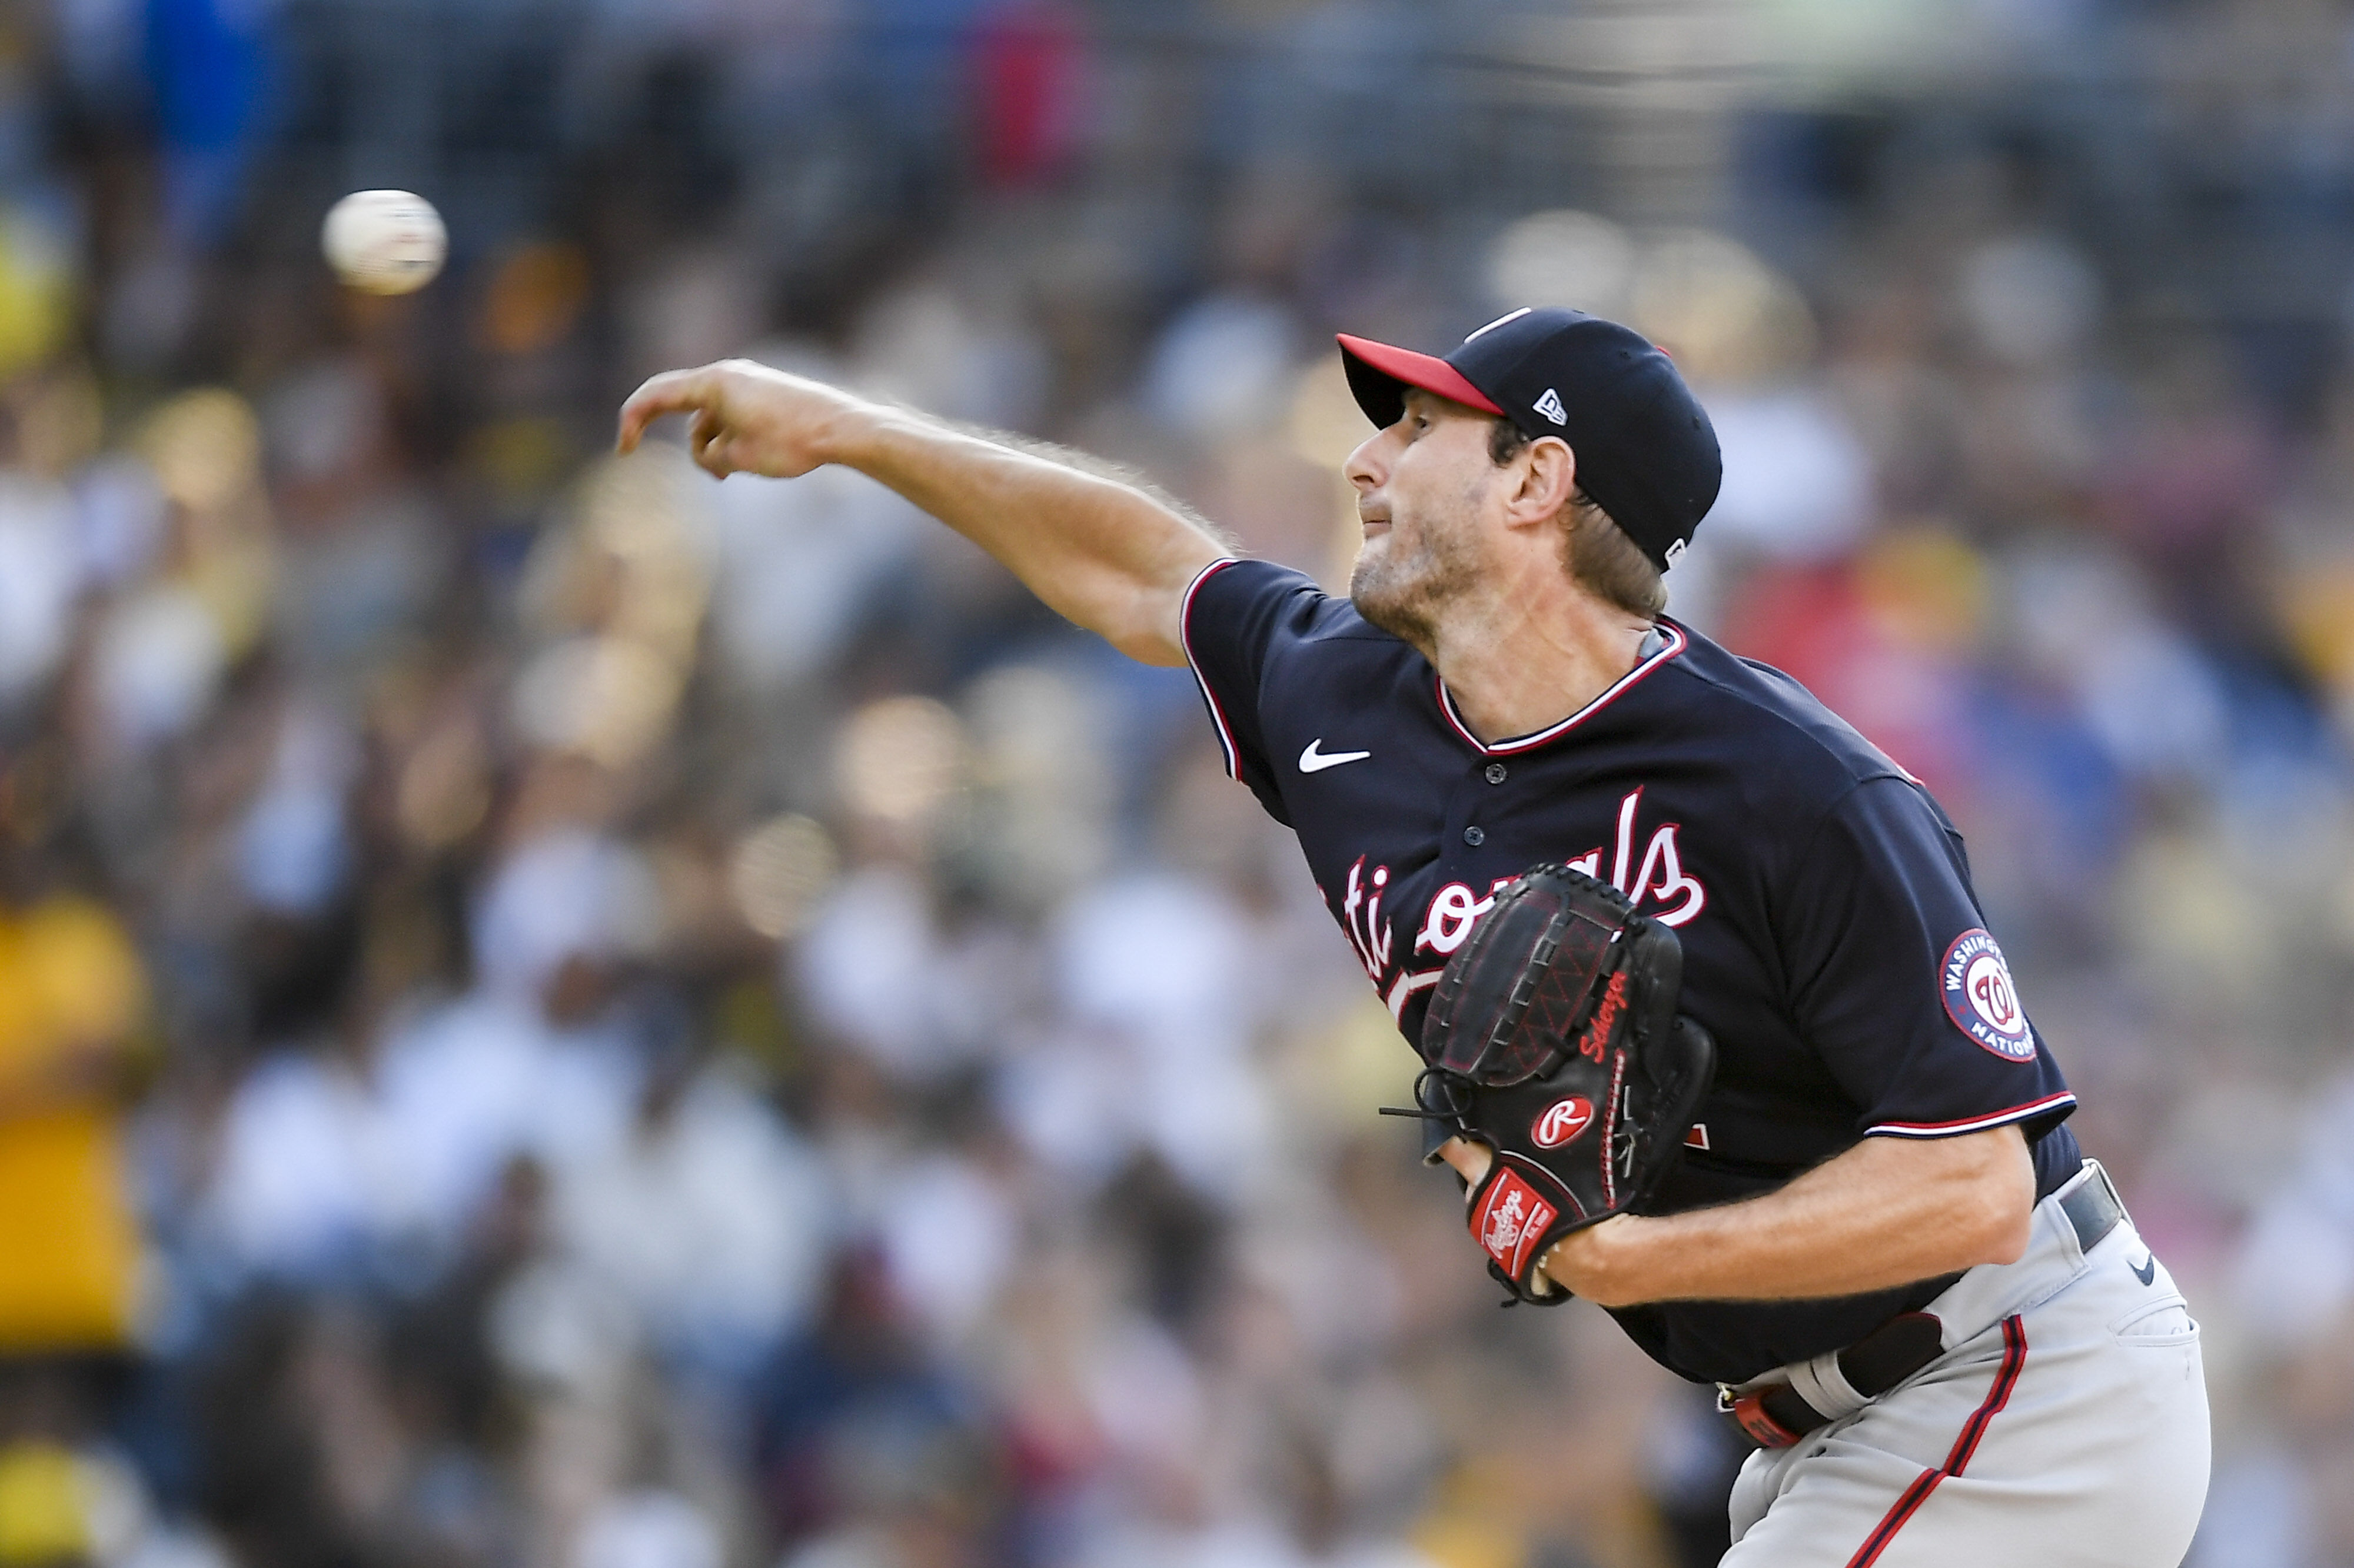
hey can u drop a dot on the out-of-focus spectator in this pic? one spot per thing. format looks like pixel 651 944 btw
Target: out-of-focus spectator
pixel 710 1215
pixel 72 995
pixel 73 998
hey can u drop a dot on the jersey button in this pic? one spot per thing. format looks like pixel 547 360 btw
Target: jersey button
pixel 1474 837
pixel 1496 773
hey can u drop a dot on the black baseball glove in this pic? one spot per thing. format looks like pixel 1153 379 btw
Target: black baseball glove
pixel 1552 1039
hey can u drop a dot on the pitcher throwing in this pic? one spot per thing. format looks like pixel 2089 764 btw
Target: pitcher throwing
pixel 1880 1240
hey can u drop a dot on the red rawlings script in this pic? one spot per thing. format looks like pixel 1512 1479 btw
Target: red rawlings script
pixel 1510 1222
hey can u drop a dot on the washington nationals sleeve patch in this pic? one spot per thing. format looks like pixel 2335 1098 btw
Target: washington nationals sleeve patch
pixel 1981 999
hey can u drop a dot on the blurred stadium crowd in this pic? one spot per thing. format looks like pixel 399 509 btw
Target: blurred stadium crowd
pixel 558 1013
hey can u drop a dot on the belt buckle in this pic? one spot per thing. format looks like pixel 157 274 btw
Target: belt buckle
pixel 1748 1412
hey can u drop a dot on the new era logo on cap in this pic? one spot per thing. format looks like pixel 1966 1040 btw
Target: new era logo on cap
pixel 1550 407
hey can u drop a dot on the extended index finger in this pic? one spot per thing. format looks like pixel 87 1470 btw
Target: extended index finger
pixel 671 392
pixel 1469 1160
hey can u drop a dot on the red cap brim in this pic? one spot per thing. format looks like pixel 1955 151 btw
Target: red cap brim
pixel 1381 394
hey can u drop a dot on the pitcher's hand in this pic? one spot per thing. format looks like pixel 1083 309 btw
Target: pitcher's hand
pixel 746 417
pixel 1469 1160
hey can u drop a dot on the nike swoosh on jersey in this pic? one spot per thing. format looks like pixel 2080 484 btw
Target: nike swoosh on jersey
pixel 2147 1269
pixel 1314 761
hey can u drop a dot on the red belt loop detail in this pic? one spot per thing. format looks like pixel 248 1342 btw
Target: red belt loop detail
pixel 1750 1411
pixel 2006 1378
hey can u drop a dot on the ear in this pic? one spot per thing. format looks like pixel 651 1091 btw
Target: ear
pixel 1547 479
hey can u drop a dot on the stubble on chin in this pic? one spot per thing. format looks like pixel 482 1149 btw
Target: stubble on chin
pixel 1404 588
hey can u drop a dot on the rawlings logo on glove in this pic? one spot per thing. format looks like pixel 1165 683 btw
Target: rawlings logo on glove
pixel 1562 1122
pixel 1508 1221
pixel 1557 1017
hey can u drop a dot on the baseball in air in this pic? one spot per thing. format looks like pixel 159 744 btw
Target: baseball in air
pixel 384 242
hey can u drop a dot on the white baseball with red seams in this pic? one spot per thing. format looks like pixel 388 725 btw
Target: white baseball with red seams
pixel 384 242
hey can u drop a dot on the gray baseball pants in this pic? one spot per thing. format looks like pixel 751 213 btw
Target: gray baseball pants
pixel 2066 1426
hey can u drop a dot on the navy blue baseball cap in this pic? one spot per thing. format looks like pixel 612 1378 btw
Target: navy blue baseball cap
pixel 1646 452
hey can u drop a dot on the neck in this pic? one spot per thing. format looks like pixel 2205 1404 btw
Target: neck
pixel 1525 661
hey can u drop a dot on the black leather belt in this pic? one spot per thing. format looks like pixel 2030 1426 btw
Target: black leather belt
pixel 2092 1207
pixel 1777 1415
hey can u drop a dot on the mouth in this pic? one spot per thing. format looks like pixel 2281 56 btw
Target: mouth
pixel 1374 523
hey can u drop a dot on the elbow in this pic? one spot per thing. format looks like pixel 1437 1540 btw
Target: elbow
pixel 1147 645
pixel 1986 1186
pixel 2005 1233
pixel 1145 622
pixel 2002 1213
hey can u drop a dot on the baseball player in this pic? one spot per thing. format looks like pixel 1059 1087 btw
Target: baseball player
pixel 1880 1240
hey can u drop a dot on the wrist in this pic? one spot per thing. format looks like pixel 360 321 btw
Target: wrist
pixel 1602 1263
pixel 849 433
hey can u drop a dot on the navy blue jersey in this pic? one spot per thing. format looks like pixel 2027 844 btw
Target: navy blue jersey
pixel 1831 940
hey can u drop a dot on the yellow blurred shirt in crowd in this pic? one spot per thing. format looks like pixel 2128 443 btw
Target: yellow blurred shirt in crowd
pixel 69 982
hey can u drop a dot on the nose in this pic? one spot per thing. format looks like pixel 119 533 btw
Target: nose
pixel 1369 465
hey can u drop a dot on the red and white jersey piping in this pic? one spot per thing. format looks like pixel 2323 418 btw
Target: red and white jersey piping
pixel 1186 641
pixel 1674 642
pixel 1971 1123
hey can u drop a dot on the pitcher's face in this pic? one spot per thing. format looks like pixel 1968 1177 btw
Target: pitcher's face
pixel 1428 495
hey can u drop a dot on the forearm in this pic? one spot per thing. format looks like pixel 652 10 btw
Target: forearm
pixel 1101 552
pixel 1883 1214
